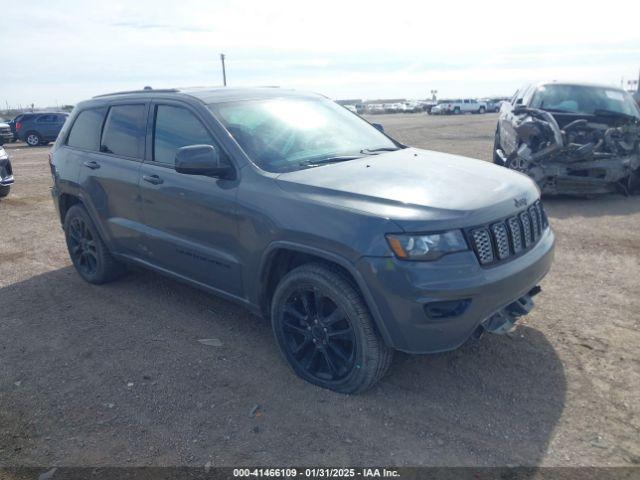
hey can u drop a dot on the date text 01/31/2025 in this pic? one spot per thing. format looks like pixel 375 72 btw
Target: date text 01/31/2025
pixel 316 472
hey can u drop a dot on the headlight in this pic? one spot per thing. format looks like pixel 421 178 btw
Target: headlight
pixel 427 247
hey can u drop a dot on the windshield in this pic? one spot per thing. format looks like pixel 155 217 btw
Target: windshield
pixel 583 99
pixel 285 134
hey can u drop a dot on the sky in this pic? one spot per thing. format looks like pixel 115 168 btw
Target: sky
pixel 61 52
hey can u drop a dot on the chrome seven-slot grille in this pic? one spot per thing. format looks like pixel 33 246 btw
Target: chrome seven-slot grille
pixel 510 236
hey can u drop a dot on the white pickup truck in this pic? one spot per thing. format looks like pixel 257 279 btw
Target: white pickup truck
pixel 467 105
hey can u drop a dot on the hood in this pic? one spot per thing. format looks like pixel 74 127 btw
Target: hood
pixel 418 189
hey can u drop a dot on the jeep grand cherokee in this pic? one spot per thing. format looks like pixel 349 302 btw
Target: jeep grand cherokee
pixel 352 244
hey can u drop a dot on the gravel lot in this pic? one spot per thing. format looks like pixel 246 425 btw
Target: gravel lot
pixel 115 375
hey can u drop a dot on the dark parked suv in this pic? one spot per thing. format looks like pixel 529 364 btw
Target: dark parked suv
pixel 39 128
pixel 351 243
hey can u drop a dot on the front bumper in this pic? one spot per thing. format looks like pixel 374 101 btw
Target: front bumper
pixel 6 172
pixel 585 177
pixel 404 291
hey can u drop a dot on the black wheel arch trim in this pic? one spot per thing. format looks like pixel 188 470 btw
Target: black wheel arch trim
pixel 90 209
pixel 330 257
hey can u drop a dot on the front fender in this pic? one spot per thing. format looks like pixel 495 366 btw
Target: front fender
pixel 274 247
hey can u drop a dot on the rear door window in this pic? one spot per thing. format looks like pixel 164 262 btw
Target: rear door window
pixel 176 127
pixel 85 132
pixel 124 131
pixel 46 119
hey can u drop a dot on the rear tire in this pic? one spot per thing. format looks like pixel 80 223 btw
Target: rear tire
pixel 89 254
pixel 33 139
pixel 325 331
pixel 4 190
pixel 481 110
pixel 456 111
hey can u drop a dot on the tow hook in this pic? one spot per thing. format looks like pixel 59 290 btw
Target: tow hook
pixel 503 321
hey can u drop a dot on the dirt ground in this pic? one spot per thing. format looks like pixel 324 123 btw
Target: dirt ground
pixel 115 375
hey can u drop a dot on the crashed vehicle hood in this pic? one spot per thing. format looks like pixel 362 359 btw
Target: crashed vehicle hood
pixel 573 154
pixel 418 189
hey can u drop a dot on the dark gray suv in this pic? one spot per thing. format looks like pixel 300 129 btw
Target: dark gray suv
pixel 352 244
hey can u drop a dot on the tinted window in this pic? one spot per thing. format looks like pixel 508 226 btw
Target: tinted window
pixel 85 132
pixel 46 119
pixel 124 131
pixel 176 127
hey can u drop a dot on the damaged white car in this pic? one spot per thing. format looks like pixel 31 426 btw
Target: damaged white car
pixel 572 139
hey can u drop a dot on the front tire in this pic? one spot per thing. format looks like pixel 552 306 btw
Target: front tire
pixel 325 331
pixel 33 139
pixel 89 254
pixel 4 190
pixel 481 110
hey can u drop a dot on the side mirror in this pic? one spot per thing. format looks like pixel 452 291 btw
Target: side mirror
pixel 378 126
pixel 201 160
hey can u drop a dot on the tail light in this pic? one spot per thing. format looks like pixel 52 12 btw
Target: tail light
pixel 18 125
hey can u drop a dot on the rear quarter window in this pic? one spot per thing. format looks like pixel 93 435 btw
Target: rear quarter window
pixel 85 132
pixel 124 131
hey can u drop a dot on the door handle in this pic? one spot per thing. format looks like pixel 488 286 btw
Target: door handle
pixel 153 179
pixel 92 164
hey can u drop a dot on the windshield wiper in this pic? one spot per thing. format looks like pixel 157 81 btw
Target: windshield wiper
pixel 613 113
pixel 324 161
pixel 373 151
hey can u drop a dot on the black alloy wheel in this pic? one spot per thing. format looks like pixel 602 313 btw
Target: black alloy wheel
pixel 89 254
pixel 325 331
pixel 318 334
pixel 82 247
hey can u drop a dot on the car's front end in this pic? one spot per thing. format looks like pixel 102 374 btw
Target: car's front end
pixel 574 139
pixel 462 257
pixel 6 173
pixel 484 284
pixel 6 135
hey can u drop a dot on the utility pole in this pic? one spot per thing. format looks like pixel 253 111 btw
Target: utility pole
pixel 224 72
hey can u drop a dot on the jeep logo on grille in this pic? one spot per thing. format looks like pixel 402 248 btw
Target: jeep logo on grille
pixel 520 202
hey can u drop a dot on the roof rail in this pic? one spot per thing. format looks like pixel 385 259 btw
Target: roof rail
pixel 145 90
